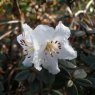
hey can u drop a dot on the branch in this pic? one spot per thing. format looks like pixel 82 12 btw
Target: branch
pixel 69 10
pixel 81 11
pixel 85 10
pixel 16 10
pixel 9 22
pixel 88 5
pixel 9 32
pixel 17 13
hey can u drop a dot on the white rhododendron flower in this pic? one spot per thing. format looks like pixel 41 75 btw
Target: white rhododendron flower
pixel 48 45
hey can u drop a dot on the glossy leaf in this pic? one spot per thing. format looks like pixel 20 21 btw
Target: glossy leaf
pixel 80 73
pixel 67 64
pixel 35 87
pixel 61 78
pixel 23 75
pixel 72 90
pixel 93 81
pixel 89 60
pixel 46 77
pixel 56 92
pixel 2 93
pixel 31 77
pixel 83 82
pixel 79 33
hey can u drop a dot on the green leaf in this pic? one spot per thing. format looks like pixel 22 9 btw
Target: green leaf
pixel 72 90
pixel 80 73
pixel 1 86
pixel 93 81
pixel 2 93
pixel 31 77
pixel 89 60
pixel 46 77
pixel 61 78
pixel 83 82
pixel 67 64
pixel 35 87
pixel 56 92
pixel 85 27
pixel 64 72
pixel 79 33
pixel 27 93
pixel 23 75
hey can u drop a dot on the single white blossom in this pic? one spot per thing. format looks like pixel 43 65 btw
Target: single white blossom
pixel 50 45
pixel 45 45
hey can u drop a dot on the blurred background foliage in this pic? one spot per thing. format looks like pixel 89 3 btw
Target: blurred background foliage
pixel 77 77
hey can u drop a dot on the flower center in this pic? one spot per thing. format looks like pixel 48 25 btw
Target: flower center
pixel 52 47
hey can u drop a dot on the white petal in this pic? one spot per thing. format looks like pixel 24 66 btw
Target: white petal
pixel 62 31
pixel 28 60
pixel 66 51
pixel 27 32
pixel 51 64
pixel 38 60
pixel 21 41
pixel 40 36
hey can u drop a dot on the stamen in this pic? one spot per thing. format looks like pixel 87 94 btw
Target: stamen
pixel 59 46
pixel 52 47
pixel 56 42
pixel 51 41
pixel 57 52
pixel 29 56
pixel 23 42
pixel 51 55
pixel 59 43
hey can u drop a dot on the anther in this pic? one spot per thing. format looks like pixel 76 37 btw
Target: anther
pixel 23 42
pixel 51 55
pixel 29 56
pixel 56 41
pixel 59 47
pixel 51 41
pixel 59 43
pixel 57 52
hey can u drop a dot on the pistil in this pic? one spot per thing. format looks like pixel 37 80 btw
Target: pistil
pixel 52 47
